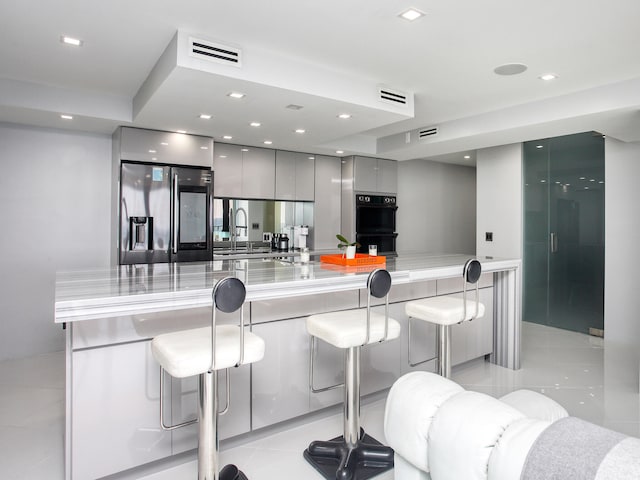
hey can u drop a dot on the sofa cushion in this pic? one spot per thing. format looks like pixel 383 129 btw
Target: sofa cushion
pixel 509 454
pixel 412 402
pixel 463 433
pixel 535 405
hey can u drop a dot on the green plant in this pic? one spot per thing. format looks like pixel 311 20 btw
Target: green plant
pixel 345 243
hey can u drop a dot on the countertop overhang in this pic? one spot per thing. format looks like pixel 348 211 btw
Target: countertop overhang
pixel 136 289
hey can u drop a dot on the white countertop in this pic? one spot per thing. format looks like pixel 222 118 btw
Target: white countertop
pixel 124 290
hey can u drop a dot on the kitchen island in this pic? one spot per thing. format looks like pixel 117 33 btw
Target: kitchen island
pixel 112 384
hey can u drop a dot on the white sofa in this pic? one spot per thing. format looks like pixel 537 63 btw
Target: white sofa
pixel 440 431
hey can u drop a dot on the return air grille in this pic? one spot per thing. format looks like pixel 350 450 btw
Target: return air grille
pixel 215 52
pixel 427 132
pixel 392 96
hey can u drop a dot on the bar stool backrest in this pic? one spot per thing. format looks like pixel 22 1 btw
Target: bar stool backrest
pixel 228 296
pixel 471 274
pixel 378 285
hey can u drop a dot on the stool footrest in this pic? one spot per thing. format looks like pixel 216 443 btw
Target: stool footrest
pixel 231 472
pixel 335 460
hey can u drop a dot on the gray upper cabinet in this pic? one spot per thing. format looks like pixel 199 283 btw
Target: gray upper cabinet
pixel 387 179
pixel 258 172
pixel 294 176
pixel 243 172
pixel 227 171
pixel 375 175
pixel 155 146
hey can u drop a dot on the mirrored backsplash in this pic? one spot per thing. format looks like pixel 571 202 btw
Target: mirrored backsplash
pixel 237 222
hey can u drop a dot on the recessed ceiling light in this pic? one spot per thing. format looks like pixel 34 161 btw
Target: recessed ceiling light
pixel 66 117
pixel 543 181
pixel 152 151
pixel 227 137
pixel 164 143
pixel 235 95
pixel 222 156
pixel 312 158
pixel 467 157
pixel 339 151
pixel 204 148
pixel 181 131
pixel 154 158
pixel 267 142
pixel 539 146
pixel 300 130
pixel 255 124
pixel 548 76
pixel 71 41
pixel 411 14
pixel 205 116
pixel 245 149
pixel 344 116
pixel 510 69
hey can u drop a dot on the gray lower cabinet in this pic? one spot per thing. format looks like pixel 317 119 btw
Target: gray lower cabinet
pixel 184 406
pixel 115 405
pixel 280 386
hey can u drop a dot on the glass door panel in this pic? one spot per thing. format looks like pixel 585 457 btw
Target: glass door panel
pixel 564 232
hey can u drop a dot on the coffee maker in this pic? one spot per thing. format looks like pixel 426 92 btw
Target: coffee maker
pixel 300 233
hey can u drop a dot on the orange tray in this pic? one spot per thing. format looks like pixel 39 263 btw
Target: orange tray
pixel 360 260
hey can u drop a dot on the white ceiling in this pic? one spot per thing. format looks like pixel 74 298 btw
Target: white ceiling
pixel 329 57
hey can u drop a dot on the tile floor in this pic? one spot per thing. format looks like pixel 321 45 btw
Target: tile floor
pixel 572 368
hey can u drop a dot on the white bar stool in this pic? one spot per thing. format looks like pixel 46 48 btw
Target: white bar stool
pixel 445 311
pixel 204 351
pixel 354 455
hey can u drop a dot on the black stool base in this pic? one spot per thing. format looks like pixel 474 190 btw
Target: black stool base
pixel 334 460
pixel 231 472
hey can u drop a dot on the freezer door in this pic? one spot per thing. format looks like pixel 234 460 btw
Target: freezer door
pixel 145 222
pixel 191 215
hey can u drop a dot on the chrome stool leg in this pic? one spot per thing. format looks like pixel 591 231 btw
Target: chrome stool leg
pixel 208 428
pixel 354 455
pixel 443 334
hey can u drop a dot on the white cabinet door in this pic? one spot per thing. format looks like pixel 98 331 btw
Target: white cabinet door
pixel 227 171
pixel 258 173
pixel 115 409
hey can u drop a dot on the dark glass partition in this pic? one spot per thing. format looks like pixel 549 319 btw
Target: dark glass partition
pixel 564 232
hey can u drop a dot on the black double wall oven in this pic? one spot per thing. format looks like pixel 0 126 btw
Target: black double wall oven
pixel 376 223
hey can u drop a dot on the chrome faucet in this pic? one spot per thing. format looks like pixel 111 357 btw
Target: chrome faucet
pixel 234 227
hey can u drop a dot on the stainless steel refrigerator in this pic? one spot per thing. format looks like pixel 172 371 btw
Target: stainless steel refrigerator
pixel 165 213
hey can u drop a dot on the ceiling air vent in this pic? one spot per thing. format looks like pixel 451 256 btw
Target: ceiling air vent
pixel 215 52
pixel 394 97
pixel 427 132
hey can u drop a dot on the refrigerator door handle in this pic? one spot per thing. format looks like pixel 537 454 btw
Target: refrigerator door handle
pixel 175 214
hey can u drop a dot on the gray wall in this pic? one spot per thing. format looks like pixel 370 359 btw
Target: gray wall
pixel 55 215
pixel 499 173
pixel 436 207
pixel 622 242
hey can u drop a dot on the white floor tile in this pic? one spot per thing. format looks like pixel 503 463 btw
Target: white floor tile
pixel 568 367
